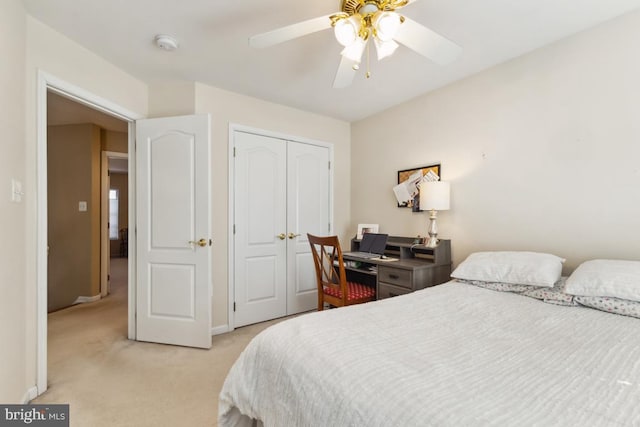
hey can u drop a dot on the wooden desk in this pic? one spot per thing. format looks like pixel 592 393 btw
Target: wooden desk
pixel 417 267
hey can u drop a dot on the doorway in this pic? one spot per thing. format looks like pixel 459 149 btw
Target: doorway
pixel 84 148
pixel 114 220
pixel 48 86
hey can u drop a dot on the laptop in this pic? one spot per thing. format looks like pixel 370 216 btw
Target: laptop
pixel 372 245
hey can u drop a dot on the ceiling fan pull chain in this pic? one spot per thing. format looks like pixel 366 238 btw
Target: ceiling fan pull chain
pixel 368 74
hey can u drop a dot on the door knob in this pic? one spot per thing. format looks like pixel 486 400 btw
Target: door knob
pixel 201 242
pixel 293 236
pixel 281 236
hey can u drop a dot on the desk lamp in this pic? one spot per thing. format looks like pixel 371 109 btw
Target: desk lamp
pixel 434 196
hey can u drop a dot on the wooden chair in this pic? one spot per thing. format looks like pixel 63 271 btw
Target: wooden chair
pixel 333 287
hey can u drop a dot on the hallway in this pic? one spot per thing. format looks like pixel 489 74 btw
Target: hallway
pixel 79 333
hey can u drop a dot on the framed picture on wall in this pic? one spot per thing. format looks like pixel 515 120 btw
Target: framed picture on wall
pixel 410 178
pixel 366 228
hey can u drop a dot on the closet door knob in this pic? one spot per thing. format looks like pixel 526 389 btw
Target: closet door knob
pixel 293 236
pixel 281 236
pixel 201 242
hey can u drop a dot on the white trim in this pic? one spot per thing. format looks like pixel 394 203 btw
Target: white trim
pixel 105 241
pixel 233 127
pixel 87 98
pixel 84 300
pixel 131 250
pixel 46 82
pixel 29 395
pixel 41 233
pixel 230 235
pixel 218 330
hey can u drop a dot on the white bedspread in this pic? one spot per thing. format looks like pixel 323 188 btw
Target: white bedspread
pixel 452 355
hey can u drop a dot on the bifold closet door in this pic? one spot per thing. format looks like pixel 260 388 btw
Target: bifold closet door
pixel 260 224
pixel 307 212
pixel 281 193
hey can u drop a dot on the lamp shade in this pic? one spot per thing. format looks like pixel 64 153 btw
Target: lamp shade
pixel 355 50
pixel 434 195
pixel 386 25
pixel 385 49
pixel 346 30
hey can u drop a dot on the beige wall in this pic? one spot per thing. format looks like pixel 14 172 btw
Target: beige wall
pixel 225 108
pixel 175 98
pixel 542 152
pixel 73 172
pixel 53 53
pixel 13 384
pixel 115 141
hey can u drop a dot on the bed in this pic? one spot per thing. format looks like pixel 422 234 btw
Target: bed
pixel 451 355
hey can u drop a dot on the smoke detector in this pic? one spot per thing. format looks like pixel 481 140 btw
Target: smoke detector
pixel 166 42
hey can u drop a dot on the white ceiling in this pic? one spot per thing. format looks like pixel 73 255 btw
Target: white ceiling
pixel 299 73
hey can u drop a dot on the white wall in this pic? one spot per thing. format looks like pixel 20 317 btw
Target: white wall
pixel 55 54
pixel 543 152
pixel 226 107
pixel 12 263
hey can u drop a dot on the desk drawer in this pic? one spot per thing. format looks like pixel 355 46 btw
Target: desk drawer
pixel 395 276
pixel 388 291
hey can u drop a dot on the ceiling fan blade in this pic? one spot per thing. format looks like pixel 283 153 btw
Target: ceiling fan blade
pixel 345 73
pixel 290 32
pixel 427 42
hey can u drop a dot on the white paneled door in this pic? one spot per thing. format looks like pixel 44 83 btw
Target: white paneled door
pixel 307 212
pixel 281 193
pixel 260 228
pixel 173 299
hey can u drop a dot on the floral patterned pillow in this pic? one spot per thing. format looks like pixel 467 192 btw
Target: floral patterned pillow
pixel 497 286
pixel 555 295
pixel 611 305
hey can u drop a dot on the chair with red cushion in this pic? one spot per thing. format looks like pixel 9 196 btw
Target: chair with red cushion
pixel 333 287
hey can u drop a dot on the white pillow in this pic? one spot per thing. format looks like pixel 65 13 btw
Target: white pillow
pixel 522 268
pixel 606 278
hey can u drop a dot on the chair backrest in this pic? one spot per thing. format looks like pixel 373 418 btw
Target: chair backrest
pixel 327 257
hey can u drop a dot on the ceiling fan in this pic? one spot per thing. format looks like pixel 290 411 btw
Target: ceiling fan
pixel 360 21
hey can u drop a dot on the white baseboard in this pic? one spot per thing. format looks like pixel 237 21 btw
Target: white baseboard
pixel 217 330
pixel 29 395
pixel 82 300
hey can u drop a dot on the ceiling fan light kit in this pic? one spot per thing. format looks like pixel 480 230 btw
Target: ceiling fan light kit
pixel 356 23
pixel 371 19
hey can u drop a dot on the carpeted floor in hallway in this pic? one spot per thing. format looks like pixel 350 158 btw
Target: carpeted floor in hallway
pixel 111 381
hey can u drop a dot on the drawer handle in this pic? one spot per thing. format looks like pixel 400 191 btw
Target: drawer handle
pixel 394 276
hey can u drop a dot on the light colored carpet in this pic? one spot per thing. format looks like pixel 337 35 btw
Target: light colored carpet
pixel 111 381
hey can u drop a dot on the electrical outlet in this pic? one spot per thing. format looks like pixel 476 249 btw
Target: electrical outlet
pixel 82 206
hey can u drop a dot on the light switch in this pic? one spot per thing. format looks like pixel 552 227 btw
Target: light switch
pixel 82 206
pixel 16 191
